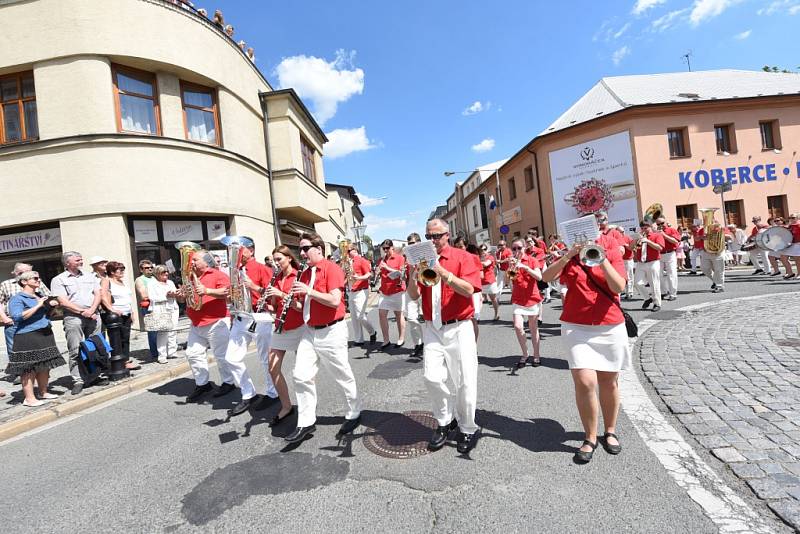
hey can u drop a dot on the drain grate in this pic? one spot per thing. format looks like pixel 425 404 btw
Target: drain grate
pixel 788 342
pixel 402 436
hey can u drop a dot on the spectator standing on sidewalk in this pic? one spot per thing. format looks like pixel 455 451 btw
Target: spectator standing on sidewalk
pixel 118 301
pixel 79 294
pixel 9 288
pixel 162 294
pixel 141 285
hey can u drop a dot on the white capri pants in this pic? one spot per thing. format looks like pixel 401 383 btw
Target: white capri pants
pixel 215 336
pixel 413 326
pixel 358 314
pixel 240 338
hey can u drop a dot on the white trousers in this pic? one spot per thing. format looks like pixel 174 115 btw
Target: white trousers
pixel 240 339
pixel 649 273
pixel 760 261
pixel 413 326
pixel 450 367
pixel 215 336
pixel 669 274
pixel 501 282
pixel 713 266
pixel 326 346
pixel 630 274
pixel 167 342
pixel 694 258
pixel 358 313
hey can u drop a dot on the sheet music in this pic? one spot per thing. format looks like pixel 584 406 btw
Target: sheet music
pixel 580 230
pixel 170 266
pixel 424 250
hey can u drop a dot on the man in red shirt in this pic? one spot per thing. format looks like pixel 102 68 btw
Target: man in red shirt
pixel 648 265
pixel 320 292
pixel 392 267
pixel 503 254
pixel 759 255
pixel 256 277
pixel 534 233
pixel 610 231
pixel 209 325
pixel 358 294
pixel 697 246
pixel 669 261
pixel 450 353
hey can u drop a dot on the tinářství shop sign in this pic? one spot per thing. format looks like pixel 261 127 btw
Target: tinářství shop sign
pixel 22 241
pixel 741 174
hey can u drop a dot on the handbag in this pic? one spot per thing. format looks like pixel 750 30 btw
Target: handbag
pixel 630 325
pixel 159 320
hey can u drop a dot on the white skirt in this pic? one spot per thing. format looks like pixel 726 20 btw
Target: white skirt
pixel 518 309
pixel 391 302
pixel 791 250
pixel 286 341
pixel 490 289
pixel 477 304
pixel 601 347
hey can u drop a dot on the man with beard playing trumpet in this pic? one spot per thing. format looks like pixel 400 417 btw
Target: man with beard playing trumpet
pixel 450 353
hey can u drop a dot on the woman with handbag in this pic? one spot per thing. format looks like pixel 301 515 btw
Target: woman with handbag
pixel 163 313
pixel 594 332
pixel 117 299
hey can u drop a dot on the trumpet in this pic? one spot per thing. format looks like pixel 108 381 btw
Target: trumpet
pixel 592 255
pixel 426 275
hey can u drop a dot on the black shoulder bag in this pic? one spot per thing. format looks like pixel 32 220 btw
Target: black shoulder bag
pixel 630 324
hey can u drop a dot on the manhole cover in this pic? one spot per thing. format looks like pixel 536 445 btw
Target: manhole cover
pixel 788 342
pixel 402 436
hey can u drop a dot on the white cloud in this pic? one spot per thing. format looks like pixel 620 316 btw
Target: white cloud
pixel 378 227
pixel 622 30
pixel 703 10
pixel 744 35
pixel 342 142
pixel 794 10
pixel 484 146
pixel 667 21
pixel 792 7
pixel 368 201
pixel 619 54
pixel 643 5
pixel 325 83
pixel 476 107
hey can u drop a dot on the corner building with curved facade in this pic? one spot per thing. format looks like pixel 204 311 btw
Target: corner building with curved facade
pixel 129 125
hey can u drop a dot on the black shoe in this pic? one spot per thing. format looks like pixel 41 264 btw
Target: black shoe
pixel 439 437
pixel 241 407
pixel 101 382
pixel 713 285
pixel 656 308
pixel 348 426
pixel 535 362
pixel 223 390
pixel 373 338
pixel 611 449
pixel 417 351
pixel 758 271
pixel 77 388
pixel 278 420
pixel 385 346
pixel 466 442
pixel 264 402
pixel 646 304
pixel 300 433
pixel 584 457
pixel 776 273
pixel 199 391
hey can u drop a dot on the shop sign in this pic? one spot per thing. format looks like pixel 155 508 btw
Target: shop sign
pixel 145 231
pixel 215 230
pixel 30 240
pixel 482 237
pixel 743 174
pixel 510 216
pixel 182 230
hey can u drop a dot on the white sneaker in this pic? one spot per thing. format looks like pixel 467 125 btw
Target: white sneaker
pixel 33 404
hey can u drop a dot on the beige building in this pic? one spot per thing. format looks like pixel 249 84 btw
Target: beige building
pixel 129 125
pixel 344 216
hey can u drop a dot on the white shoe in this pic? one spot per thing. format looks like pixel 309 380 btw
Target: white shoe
pixel 33 404
pixel 48 396
pixel 162 360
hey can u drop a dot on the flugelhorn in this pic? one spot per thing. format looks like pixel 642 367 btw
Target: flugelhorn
pixel 426 275
pixel 188 278
pixel 240 295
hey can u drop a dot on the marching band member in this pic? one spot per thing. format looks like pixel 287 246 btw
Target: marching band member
pixel 257 278
pixel 557 249
pixel 758 255
pixel 209 326
pixel 609 230
pixel 648 265
pixel 792 251
pixel 358 295
pixel 450 353
pixel 391 269
pixel 593 331
pixel 697 246
pixel 324 339
pixel 713 265
pixel 669 261
pixel 627 260
pixel 503 254
pixel 773 256
pixel 411 308
pixel 289 321
pixel 489 282
pixel 533 233
pixel 477 302
pixel 526 300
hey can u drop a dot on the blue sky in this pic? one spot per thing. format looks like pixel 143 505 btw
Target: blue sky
pixel 395 85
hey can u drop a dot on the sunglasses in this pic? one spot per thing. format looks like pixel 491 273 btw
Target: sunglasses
pixel 435 236
pixel 34 278
pixel 516 248
pixel 386 248
pixel 147 268
pixel 306 248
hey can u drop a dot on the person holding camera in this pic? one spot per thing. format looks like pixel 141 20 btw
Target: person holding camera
pixel 117 299
pixel 35 351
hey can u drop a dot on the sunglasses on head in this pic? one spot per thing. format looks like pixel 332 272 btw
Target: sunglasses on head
pixel 435 236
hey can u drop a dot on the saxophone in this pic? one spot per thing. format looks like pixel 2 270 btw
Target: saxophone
pixel 188 278
pixel 240 294
pixel 287 300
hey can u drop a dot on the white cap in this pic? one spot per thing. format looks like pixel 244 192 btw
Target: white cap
pixel 96 259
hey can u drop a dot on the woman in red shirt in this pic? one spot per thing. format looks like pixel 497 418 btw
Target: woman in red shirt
pixel 289 335
pixel 489 281
pixel 593 331
pixel 792 251
pixel 526 300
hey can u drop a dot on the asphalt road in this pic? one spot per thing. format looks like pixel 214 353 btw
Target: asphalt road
pixel 150 463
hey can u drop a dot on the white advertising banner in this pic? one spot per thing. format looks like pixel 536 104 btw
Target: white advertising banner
pixel 182 230
pixel 593 176
pixel 145 231
pixel 50 237
pixel 215 230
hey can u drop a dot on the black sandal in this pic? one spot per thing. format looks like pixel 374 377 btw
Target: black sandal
pixel 521 363
pixel 611 449
pixel 278 420
pixel 584 457
pixel 536 362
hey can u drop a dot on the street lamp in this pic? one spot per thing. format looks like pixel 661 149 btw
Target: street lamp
pixel 359 232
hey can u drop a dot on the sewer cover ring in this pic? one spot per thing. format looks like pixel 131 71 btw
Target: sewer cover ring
pixel 402 436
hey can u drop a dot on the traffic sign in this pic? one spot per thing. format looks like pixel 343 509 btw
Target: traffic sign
pixel 504 229
pixel 723 188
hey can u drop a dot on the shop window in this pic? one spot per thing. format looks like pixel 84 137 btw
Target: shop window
pixel 309 168
pixel 725 138
pixel 136 100
pixel 685 214
pixel 776 206
pixel 770 135
pixel 200 114
pixel 529 184
pixel 734 212
pixel 512 189
pixel 18 118
pixel 678 141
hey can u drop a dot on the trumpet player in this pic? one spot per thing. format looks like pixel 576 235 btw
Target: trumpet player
pixel 526 300
pixel 503 254
pixel 411 308
pixel 358 293
pixel 489 282
pixel 669 261
pixel 647 257
pixel 391 268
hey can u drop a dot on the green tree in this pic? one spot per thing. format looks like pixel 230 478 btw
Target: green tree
pixel 367 240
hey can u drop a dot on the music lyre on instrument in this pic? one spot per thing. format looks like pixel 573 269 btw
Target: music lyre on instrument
pixel 188 277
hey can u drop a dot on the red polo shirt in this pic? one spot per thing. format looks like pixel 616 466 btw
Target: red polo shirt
pixel 213 308
pixel 696 242
pixel 583 303
pixel 488 270
pixel 795 229
pixel 391 286
pixel 454 306
pixel 260 274
pixel 504 256
pixel 329 277
pixel 627 253
pixel 479 266
pixel 361 266
pixel 525 291
pixel 652 253
pixel 673 233
pixel 293 317
pixel 758 228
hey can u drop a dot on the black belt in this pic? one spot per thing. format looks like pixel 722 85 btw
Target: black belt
pixel 444 323
pixel 320 327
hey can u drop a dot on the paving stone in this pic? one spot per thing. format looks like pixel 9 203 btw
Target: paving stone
pixel 713 441
pixel 746 470
pixel 794 492
pixel 766 488
pixel 755 455
pixel 786 479
pixel 788 510
pixel 771 468
pixel 728 454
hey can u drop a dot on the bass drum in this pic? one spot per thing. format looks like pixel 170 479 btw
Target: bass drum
pixel 775 238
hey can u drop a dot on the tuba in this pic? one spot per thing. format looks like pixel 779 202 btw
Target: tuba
pixel 714 235
pixel 345 262
pixel 240 294
pixel 188 278
pixel 653 212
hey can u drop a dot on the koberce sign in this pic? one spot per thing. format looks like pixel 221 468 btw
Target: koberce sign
pixel 742 174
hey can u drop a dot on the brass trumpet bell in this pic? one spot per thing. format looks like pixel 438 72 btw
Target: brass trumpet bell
pixel 426 275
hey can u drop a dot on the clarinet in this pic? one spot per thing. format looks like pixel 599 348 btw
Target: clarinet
pixel 262 301
pixel 287 300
